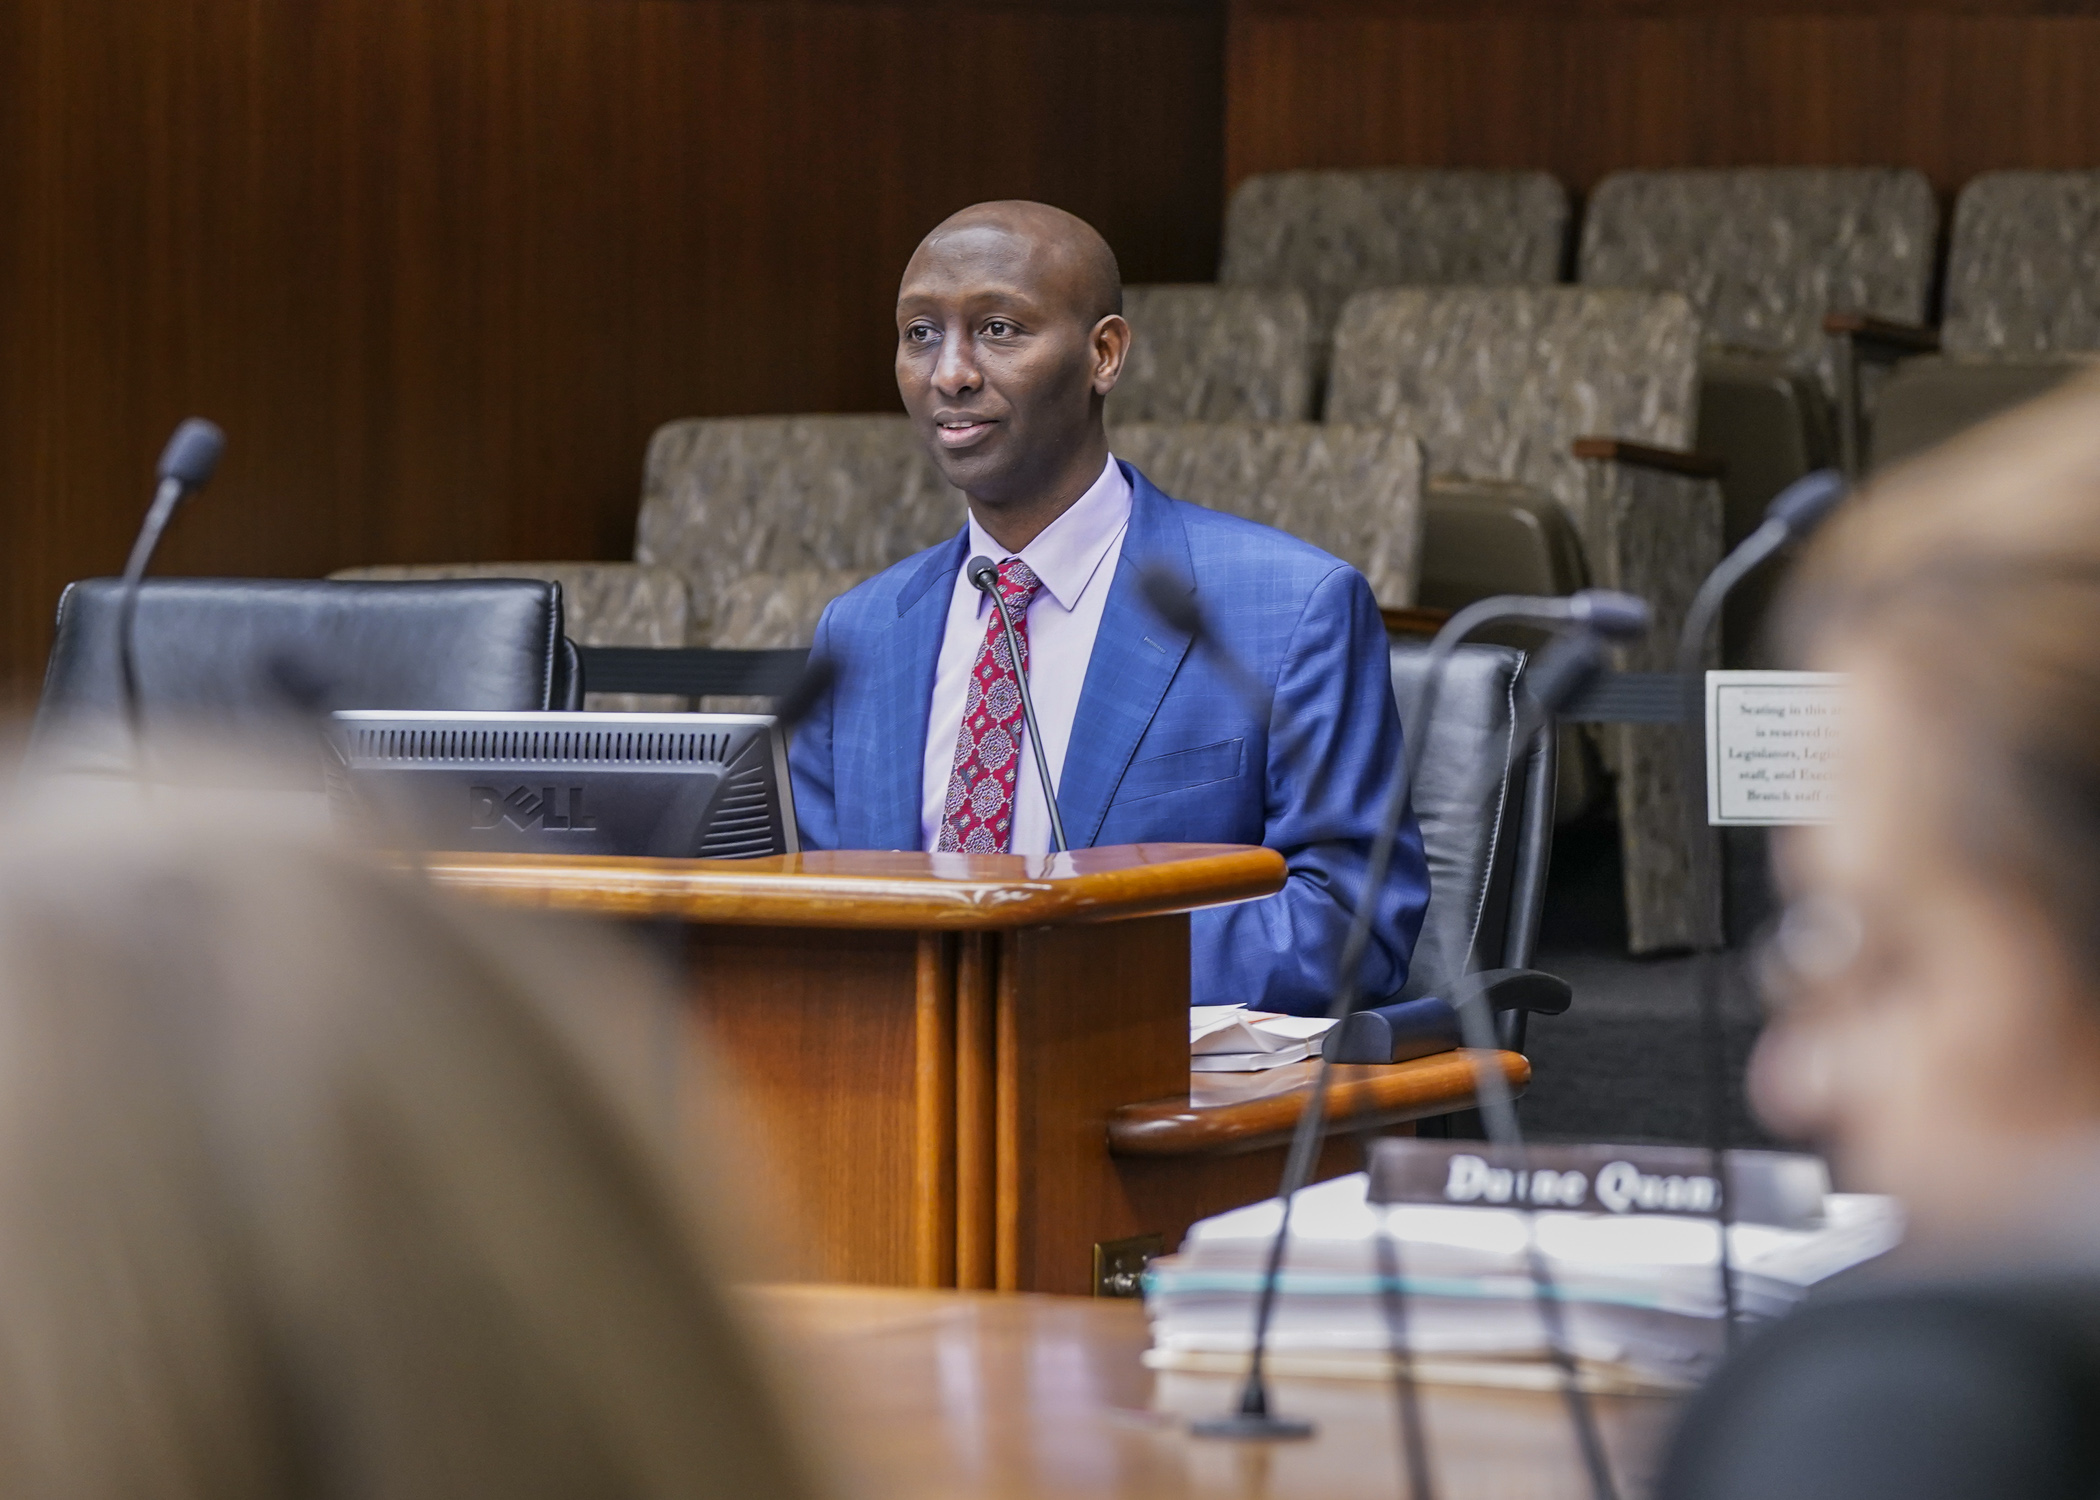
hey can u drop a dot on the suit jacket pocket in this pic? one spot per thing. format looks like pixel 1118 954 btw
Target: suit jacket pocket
pixel 1179 770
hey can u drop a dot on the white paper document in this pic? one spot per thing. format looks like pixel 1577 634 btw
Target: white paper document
pixel 1769 737
pixel 1640 1294
pixel 1234 1039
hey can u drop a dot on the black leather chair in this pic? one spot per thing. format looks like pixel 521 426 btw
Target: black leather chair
pixel 232 654
pixel 1487 853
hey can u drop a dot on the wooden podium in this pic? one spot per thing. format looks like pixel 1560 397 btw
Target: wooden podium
pixel 973 1069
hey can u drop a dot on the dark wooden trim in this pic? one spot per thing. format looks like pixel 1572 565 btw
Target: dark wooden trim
pixel 1643 456
pixel 1413 619
pixel 440 269
pixel 1869 329
pixel 1644 10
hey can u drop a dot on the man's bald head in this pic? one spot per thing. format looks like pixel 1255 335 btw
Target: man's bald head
pixel 1061 248
pixel 1009 337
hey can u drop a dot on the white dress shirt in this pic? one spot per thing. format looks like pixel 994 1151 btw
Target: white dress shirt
pixel 1075 557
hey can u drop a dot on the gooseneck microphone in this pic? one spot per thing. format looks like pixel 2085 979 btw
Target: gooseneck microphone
pixel 1794 512
pixel 819 675
pixel 186 466
pixel 1597 613
pixel 983 574
pixel 1568 664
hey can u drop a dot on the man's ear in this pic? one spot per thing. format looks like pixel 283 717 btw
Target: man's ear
pixel 1110 344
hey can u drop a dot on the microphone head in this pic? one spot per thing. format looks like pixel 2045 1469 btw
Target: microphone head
pixel 1611 614
pixel 1570 662
pixel 1802 505
pixel 809 690
pixel 1171 601
pixel 192 454
pixel 982 572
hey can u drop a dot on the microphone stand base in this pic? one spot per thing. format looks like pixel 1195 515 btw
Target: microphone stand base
pixel 1259 1429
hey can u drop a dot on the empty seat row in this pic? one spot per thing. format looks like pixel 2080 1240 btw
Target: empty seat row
pixel 1811 285
pixel 1809 282
pixel 2021 310
pixel 749 526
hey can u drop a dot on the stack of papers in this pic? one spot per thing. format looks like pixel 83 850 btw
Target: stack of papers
pixel 1640 1294
pixel 1234 1039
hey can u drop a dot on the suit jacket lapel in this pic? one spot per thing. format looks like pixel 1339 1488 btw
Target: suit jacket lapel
pixel 908 654
pixel 1136 655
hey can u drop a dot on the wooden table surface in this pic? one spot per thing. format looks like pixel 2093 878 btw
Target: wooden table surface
pixel 878 889
pixel 1233 1112
pixel 1002 1396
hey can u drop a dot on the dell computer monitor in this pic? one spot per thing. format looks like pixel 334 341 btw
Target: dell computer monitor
pixel 709 786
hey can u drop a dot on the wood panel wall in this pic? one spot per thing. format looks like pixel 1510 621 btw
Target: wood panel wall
pixel 1952 87
pixel 439 266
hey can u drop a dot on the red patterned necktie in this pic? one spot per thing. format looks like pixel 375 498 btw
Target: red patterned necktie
pixel 978 815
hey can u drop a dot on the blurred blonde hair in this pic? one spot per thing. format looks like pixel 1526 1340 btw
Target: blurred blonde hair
pixel 311 1182
pixel 1974 571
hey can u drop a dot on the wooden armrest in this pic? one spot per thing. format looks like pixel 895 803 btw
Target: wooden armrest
pixel 1359 1097
pixel 1868 329
pixel 1642 456
pixel 1413 619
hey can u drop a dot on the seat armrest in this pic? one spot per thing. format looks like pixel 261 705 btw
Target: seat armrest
pixel 1876 335
pixel 1407 1029
pixel 1865 339
pixel 1413 619
pixel 1515 995
pixel 1399 1032
pixel 1645 456
pixel 1532 990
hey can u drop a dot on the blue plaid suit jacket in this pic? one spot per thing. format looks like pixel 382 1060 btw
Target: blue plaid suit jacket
pixel 1164 747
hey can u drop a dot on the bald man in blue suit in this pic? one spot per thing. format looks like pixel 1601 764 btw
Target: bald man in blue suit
pixel 1009 339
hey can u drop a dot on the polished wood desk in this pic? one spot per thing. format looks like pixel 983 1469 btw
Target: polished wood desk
pixel 1229 1113
pixel 973 1069
pixel 944 1395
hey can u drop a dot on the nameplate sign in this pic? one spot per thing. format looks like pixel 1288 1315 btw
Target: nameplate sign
pixel 1769 741
pixel 1768 1187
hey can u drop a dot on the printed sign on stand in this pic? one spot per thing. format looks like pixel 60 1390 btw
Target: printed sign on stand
pixel 1769 741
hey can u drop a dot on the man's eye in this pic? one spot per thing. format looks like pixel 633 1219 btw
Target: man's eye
pixel 919 333
pixel 998 328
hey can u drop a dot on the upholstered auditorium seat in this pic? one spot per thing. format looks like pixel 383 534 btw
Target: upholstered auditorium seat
pixel 1353 491
pixel 1585 399
pixel 1215 354
pixel 2023 271
pixel 604 604
pixel 1332 234
pixel 748 527
pixel 1766 254
pixel 785 501
pixel 2022 308
pixel 772 611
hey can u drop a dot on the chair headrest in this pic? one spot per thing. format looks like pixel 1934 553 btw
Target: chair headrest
pixel 226 654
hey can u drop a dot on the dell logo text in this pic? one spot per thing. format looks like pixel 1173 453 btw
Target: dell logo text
pixel 528 807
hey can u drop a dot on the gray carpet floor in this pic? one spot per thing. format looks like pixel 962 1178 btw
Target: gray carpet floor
pixel 1626 1063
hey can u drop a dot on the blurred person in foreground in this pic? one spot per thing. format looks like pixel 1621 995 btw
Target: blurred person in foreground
pixel 1938 993
pixel 312 1183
